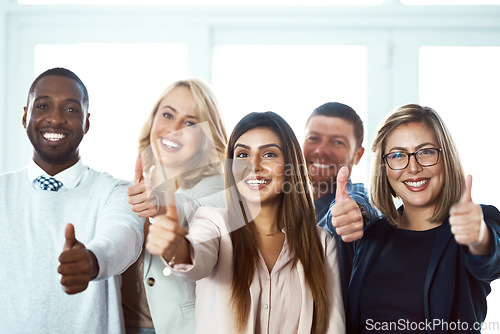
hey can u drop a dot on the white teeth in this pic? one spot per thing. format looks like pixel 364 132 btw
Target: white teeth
pixel 256 182
pixel 318 165
pixel 53 136
pixel 170 144
pixel 416 184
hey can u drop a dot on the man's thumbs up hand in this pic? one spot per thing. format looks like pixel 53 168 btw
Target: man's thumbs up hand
pixel 346 215
pixel 78 266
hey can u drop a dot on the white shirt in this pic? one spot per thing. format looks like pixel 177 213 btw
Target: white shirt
pixel 70 177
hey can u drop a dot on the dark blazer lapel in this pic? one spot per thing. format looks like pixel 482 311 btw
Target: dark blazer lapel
pixel 438 255
pixel 369 247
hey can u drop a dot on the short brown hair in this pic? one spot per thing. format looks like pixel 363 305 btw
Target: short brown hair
pixel 343 111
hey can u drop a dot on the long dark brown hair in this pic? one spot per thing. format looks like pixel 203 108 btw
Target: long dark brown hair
pixel 297 218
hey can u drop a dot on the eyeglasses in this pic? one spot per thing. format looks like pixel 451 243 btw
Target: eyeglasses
pixel 425 157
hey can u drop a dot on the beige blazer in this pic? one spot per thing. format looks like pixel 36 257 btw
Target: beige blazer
pixel 171 299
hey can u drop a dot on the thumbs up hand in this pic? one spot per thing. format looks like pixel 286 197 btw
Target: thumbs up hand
pixel 467 223
pixel 138 196
pixel 346 215
pixel 167 238
pixel 78 266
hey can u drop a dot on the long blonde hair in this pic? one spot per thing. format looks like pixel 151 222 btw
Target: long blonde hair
pixel 381 192
pixel 298 219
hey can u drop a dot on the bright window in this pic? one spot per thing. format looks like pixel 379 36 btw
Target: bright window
pixel 449 2
pixel 462 85
pixel 208 2
pixel 291 81
pixel 124 81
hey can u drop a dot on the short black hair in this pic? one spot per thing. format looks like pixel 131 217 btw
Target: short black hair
pixel 340 110
pixel 61 72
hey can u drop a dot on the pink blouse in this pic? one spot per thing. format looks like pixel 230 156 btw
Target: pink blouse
pixel 280 301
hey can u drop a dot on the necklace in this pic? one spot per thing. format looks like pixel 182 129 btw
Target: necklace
pixel 266 234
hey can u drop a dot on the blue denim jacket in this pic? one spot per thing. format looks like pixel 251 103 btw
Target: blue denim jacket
pixel 345 250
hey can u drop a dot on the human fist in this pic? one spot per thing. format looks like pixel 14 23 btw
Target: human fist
pixel 78 266
pixel 467 223
pixel 346 215
pixel 138 197
pixel 166 235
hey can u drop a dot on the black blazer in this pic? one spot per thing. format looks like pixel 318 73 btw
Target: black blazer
pixel 456 283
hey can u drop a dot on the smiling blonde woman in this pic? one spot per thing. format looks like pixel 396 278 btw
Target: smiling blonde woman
pixel 431 260
pixel 181 146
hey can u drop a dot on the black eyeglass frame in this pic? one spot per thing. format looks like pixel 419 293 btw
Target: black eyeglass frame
pixel 416 159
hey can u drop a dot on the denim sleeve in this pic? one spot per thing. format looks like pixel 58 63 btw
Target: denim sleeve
pixel 358 193
pixel 326 221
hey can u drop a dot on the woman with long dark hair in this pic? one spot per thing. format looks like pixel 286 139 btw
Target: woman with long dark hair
pixel 262 265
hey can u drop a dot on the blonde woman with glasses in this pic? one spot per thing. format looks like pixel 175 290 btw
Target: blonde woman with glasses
pixel 425 267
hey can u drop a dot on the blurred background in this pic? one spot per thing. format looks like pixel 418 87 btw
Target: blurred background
pixel 281 55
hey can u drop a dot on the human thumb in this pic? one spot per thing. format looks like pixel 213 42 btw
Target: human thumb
pixel 170 204
pixel 69 234
pixel 342 178
pixel 467 195
pixel 138 171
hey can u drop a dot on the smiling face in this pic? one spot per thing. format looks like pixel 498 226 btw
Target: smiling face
pixel 259 166
pixel 330 143
pixel 56 121
pixel 174 134
pixel 417 186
